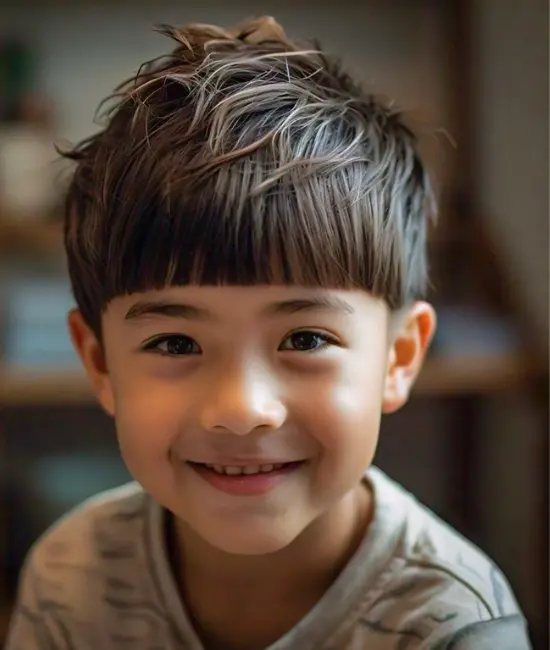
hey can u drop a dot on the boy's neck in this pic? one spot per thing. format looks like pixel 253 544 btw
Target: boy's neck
pixel 248 602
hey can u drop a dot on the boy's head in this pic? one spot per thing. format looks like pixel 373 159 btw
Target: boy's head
pixel 246 243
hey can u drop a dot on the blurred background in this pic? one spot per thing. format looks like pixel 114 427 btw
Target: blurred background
pixel 473 442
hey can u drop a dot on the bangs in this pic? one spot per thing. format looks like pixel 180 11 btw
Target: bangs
pixel 307 232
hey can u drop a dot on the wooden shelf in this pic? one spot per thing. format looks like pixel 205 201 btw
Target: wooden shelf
pixel 26 388
pixel 476 375
pixel 439 378
pixel 32 237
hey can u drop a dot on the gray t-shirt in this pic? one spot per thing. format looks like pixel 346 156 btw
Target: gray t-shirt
pixel 100 579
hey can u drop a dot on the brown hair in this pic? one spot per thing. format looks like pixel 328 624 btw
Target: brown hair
pixel 241 158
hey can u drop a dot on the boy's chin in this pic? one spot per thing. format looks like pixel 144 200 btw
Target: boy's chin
pixel 252 540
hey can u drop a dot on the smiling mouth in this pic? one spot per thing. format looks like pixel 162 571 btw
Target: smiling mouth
pixel 246 480
pixel 246 470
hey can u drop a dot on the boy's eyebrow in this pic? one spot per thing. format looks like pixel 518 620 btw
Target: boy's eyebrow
pixel 166 308
pixel 190 312
pixel 315 303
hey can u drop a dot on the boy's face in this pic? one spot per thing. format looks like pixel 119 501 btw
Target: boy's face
pixel 279 390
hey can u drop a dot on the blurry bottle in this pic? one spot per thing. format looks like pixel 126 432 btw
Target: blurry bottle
pixel 16 65
pixel 27 175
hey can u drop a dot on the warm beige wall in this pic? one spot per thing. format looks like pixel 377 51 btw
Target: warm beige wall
pixel 510 61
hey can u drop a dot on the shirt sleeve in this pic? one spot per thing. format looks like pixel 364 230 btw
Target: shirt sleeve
pixel 85 583
pixel 430 609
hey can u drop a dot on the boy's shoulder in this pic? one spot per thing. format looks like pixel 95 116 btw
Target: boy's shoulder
pixel 106 526
pixel 92 574
pixel 432 585
pixel 425 543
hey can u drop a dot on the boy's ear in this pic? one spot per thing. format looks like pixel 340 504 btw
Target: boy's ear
pixel 411 338
pixel 92 355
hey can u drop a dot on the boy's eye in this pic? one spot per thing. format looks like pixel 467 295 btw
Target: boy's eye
pixel 306 341
pixel 173 345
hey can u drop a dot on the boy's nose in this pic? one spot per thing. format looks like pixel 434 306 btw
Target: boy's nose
pixel 242 404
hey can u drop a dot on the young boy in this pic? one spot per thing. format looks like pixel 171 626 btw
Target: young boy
pixel 246 245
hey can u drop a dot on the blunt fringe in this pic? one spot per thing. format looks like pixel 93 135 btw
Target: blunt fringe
pixel 243 158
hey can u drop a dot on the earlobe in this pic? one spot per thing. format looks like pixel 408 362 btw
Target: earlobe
pixel 92 355
pixel 410 342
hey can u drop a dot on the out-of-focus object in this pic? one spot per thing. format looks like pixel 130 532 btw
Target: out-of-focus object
pixel 36 335
pixel 16 77
pixel 27 153
pixel 469 330
pixel 27 173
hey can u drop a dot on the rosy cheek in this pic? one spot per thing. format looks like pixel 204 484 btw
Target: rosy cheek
pixel 344 405
pixel 347 413
pixel 148 419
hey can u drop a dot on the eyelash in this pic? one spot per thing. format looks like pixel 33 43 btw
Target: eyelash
pixel 153 344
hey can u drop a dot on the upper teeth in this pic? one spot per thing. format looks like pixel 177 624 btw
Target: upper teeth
pixel 249 469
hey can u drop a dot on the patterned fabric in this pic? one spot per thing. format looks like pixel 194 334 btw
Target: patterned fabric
pixel 100 578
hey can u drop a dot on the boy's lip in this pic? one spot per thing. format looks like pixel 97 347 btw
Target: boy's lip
pixel 243 484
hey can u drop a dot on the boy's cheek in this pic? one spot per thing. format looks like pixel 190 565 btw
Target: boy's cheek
pixel 350 403
pixel 147 423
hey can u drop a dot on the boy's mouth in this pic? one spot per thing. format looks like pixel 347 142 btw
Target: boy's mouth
pixel 245 479
pixel 247 470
